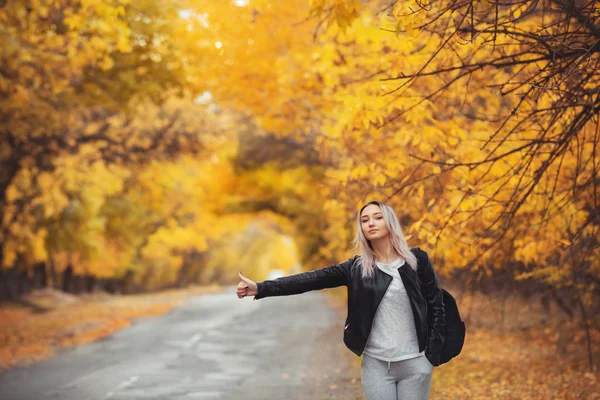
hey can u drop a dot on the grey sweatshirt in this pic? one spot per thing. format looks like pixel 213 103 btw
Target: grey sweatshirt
pixel 393 336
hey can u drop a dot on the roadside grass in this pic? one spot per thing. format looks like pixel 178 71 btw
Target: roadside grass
pixel 517 348
pixel 506 366
pixel 48 320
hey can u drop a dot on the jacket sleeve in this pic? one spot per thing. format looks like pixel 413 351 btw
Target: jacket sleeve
pixel 329 277
pixel 430 287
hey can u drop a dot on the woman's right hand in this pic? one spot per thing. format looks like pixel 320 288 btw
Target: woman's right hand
pixel 246 287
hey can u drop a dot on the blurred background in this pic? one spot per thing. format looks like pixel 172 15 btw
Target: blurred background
pixel 153 145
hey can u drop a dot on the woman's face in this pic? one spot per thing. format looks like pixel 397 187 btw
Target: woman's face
pixel 372 223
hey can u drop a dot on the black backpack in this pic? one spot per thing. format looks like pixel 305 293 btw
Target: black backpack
pixel 455 330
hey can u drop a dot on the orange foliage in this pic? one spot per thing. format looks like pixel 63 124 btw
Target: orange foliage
pixel 27 336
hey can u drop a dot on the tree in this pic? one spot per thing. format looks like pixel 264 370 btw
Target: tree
pixel 539 55
pixel 72 73
pixel 513 174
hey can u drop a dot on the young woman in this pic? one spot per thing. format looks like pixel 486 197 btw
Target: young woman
pixel 396 316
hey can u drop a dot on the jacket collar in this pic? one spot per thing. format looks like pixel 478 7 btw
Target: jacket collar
pixel 407 271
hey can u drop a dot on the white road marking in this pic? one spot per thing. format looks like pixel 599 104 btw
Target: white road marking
pixel 123 385
pixel 186 344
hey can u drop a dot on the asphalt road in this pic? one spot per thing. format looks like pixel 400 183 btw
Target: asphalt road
pixel 212 347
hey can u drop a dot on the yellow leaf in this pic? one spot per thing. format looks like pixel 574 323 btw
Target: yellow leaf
pixel 416 225
pixel 519 11
pixel 379 179
pixel 411 30
pixel 425 147
pixel 45 180
pixel 397 9
pixel 11 194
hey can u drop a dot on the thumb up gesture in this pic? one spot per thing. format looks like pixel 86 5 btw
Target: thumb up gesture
pixel 246 287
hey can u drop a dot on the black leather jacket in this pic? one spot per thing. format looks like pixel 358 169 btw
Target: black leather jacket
pixel 365 295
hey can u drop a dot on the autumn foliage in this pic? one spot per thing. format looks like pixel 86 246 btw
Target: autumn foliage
pixel 161 143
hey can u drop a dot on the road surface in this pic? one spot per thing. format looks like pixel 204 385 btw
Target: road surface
pixel 212 347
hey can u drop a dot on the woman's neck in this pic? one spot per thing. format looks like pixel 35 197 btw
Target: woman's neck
pixel 384 252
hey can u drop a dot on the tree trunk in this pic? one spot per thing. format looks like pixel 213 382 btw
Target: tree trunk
pixel 54 278
pixel 588 333
pixel 8 170
pixel 67 283
pixel 9 281
pixel 40 276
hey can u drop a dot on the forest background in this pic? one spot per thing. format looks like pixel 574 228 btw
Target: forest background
pixel 156 144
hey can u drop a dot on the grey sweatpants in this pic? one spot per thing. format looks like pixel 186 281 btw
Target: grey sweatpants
pixel 399 380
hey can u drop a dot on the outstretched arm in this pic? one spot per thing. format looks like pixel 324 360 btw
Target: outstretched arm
pixel 329 277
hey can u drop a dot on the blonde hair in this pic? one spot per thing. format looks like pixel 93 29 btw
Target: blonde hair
pixel 396 237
